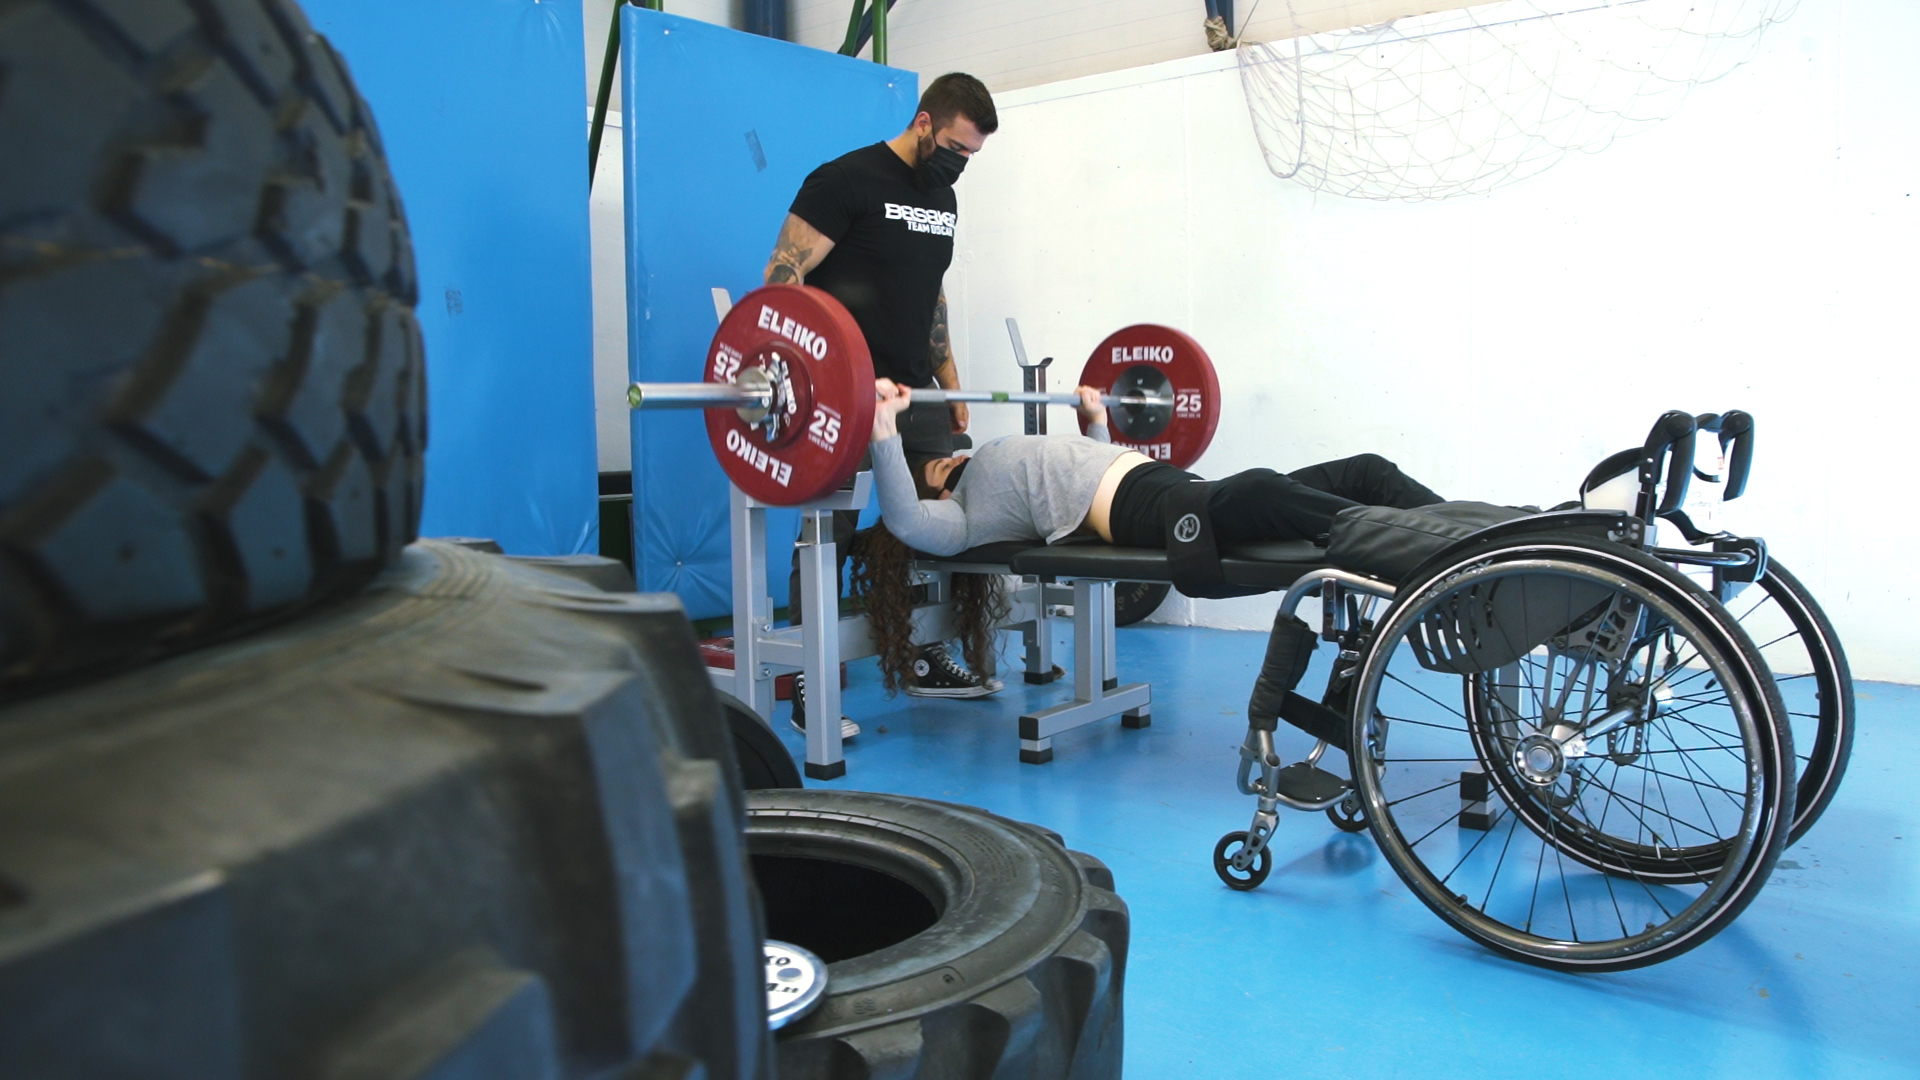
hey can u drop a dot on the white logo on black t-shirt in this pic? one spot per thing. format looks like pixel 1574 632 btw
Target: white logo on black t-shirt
pixel 918 220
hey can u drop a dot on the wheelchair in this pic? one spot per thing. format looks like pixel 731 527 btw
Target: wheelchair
pixel 1569 741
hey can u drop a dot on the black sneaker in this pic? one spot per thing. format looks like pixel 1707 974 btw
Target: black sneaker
pixel 848 729
pixel 935 674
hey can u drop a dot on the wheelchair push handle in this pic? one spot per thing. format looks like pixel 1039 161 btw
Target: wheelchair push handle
pixel 1671 439
pixel 1735 429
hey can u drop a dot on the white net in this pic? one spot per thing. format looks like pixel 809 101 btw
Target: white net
pixel 1463 102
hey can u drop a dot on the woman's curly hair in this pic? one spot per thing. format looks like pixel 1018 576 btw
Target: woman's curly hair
pixel 883 585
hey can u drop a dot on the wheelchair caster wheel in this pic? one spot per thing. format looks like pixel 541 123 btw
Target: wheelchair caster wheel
pixel 1250 878
pixel 1347 816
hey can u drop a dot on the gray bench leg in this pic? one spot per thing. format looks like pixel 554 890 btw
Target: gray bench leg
pixel 1037 636
pixel 1135 718
pixel 1097 693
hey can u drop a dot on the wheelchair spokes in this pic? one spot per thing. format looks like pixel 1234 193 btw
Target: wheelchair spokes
pixel 1632 801
pixel 1803 651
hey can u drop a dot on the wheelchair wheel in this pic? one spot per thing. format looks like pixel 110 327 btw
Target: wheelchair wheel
pixel 1231 845
pixel 1810 670
pixel 1792 635
pixel 1347 816
pixel 1591 852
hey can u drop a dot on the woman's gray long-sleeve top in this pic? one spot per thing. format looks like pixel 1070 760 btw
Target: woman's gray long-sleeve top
pixel 1021 487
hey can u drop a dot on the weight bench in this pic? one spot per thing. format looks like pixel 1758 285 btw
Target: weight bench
pixel 1092 568
pixel 1076 573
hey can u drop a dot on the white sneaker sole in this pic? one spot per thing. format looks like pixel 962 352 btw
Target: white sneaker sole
pixel 992 686
pixel 848 729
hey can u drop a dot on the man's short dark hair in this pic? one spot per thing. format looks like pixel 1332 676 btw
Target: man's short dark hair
pixel 959 94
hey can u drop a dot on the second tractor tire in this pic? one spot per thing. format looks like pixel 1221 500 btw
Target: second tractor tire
pixel 959 944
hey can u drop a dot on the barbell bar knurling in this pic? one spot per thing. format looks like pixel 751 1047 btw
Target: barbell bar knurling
pixel 702 395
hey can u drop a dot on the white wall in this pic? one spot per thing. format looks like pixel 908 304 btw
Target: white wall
pixel 597 12
pixel 1009 44
pixel 607 215
pixel 1756 251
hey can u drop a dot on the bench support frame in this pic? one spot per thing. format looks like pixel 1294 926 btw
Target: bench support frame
pixel 817 647
pixel 1097 693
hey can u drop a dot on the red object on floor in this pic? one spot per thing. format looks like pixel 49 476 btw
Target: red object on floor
pixel 718 653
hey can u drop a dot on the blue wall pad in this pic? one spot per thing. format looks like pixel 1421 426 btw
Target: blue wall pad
pixel 481 108
pixel 721 128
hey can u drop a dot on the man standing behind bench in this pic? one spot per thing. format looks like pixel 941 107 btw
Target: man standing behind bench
pixel 875 229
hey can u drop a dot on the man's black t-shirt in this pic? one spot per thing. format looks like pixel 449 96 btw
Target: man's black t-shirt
pixel 893 239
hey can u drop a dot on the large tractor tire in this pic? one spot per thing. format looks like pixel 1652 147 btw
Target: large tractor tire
pixel 479 819
pixel 958 944
pixel 764 760
pixel 214 408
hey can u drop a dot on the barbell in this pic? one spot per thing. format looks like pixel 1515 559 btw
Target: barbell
pixel 789 399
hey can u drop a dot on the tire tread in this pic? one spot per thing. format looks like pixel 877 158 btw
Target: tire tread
pixel 207 278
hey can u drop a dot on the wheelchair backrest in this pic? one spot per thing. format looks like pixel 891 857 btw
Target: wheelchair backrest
pixel 1627 481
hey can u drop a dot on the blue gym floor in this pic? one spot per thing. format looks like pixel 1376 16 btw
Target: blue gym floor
pixel 1333 969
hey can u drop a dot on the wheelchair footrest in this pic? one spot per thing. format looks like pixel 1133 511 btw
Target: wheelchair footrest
pixel 1308 783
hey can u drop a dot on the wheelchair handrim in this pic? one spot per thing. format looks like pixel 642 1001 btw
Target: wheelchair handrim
pixel 1757 842
pixel 1827 757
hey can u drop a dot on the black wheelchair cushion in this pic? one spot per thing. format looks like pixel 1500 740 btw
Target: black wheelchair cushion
pixel 1388 542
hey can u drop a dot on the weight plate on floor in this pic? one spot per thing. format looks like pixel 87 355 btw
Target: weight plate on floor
pixel 809 349
pixel 1157 361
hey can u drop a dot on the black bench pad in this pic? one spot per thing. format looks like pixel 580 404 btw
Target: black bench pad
pixel 1273 564
pixel 1000 554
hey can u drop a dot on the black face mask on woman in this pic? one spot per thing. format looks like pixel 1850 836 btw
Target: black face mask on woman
pixel 943 166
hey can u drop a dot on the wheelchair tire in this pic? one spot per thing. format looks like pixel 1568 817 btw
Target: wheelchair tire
pixel 477 812
pixel 1514 597
pixel 1135 600
pixel 1823 736
pixel 1240 880
pixel 959 944
pixel 1347 815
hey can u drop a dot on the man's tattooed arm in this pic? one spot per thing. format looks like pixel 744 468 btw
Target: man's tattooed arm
pixel 798 250
pixel 941 346
pixel 945 371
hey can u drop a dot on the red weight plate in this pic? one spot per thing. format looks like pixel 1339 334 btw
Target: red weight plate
pixel 812 348
pixel 1162 359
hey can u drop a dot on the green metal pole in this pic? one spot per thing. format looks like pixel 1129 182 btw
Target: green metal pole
pixel 852 45
pixel 879 31
pixel 608 65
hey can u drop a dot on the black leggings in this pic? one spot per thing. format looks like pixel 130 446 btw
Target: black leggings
pixel 1260 504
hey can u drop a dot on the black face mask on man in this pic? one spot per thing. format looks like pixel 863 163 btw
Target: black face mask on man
pixel 943 166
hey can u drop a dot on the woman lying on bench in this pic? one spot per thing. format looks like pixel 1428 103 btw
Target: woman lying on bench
pixel 1047 487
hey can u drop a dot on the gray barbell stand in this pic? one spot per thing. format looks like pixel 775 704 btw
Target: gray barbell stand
pixel 1036 637
pixel 818 645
